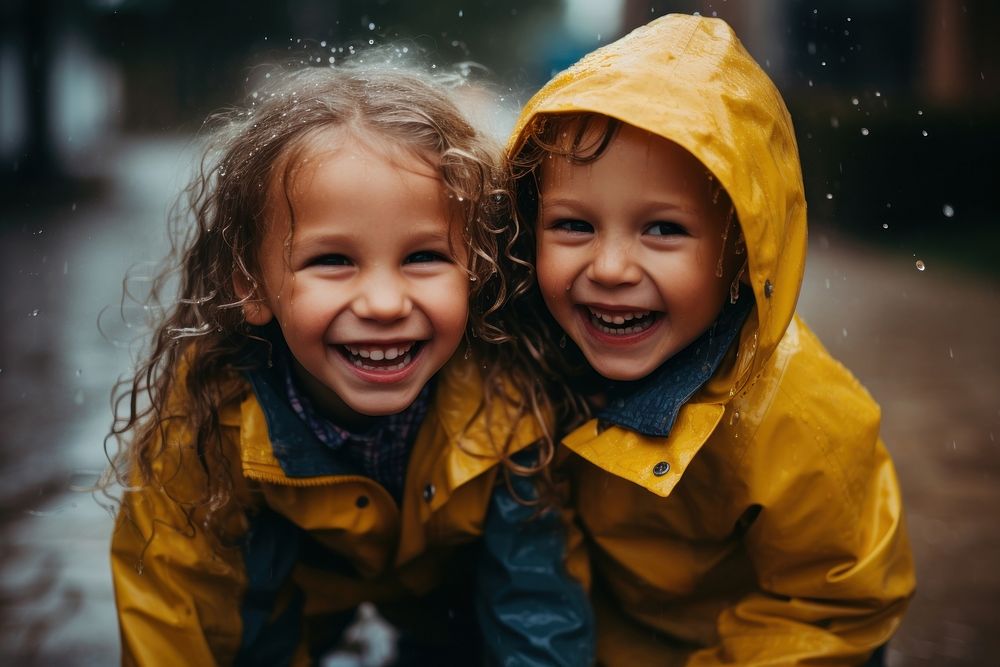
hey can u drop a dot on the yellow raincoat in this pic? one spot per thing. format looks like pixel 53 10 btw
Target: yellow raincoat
pixel 310 543
pixel 767 528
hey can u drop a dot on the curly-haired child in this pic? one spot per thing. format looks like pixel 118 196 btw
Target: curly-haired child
pixel 318 423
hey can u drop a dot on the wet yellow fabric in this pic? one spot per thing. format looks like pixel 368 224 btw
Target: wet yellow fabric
pixel 777 535
pixel 179 594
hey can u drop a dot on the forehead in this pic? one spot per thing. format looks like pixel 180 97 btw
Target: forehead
pixel 630 149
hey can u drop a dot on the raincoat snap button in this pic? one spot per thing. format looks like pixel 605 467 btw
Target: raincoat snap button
pixel 768 288
pixel 429 492
pixel 362 501
pixel 661 468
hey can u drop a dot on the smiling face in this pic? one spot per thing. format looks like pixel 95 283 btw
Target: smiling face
pixel 628 248
pixel 369 285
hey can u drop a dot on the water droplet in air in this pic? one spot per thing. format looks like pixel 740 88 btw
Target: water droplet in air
pixel 460 13
pixel 885 225
pixel 371 26
pixel 855 101
pixel 829 195
pixel 923 132
pixel 33 313
pixel 78 397
pixel 864 132
pixel 948 210
pixel 920 265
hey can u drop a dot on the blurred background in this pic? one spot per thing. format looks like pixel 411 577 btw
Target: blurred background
pixel 896 110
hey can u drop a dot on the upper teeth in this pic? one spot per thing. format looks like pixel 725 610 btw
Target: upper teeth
pixel 378 353
pixel 618 318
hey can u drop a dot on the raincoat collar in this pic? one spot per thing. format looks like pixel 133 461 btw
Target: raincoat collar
pixel 650 406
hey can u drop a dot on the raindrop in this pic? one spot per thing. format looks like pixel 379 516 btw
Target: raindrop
pixel 920 265
pixel 460 13
pixel 73 207
pixel 370 42
pixel 923 132
pixel 828 283
pixel 78 397
pixel 855 101
pixel 829 195
pixel 65 268
pixel 948 210
pixel 323 43
pixel 33 313
pixel 951 353
pixel 332 60
pixel 834 122
pixel 885 225
pixel 864 132
pixel 920 112
pixel 844 331
pixel 371 26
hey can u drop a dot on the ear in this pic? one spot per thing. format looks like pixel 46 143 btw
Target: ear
pixel 255 310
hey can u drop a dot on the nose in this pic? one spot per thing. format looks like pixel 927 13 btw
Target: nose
pixel 383 297
pixel 613 265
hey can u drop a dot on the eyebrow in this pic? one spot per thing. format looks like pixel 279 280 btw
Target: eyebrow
pixel 553 202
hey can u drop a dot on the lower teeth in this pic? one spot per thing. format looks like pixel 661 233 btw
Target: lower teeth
pixel 622 331
pixel 360 363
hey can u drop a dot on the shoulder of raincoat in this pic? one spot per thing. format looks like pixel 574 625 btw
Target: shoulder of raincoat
pixel 307 539
pixel 767 528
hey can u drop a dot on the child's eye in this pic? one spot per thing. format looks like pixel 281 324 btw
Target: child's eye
pixel 331 260
pixel 425 256
pixel 666 229
pixel 577 226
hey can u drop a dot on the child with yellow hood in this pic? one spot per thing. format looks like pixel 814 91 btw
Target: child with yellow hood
pixel 738 503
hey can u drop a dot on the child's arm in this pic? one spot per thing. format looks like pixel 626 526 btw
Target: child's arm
pixel 833 562
pixel 178 598
pixel 531 611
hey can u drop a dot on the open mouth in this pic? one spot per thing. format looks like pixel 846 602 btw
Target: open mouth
pixel 381 358
pixel 621 323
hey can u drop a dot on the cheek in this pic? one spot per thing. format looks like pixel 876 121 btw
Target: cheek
pixel 552 272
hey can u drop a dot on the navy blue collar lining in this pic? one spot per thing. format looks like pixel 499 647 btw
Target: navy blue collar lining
pixel 298 451
pixel 650 405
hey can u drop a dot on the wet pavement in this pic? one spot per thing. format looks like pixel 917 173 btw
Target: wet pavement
pixel 923 342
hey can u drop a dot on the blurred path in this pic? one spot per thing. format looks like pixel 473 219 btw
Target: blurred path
pixel 927 346
pixel 60 269
pixel 924 343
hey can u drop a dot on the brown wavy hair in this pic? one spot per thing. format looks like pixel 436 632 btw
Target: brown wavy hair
pixel 564 379
pixel 201 342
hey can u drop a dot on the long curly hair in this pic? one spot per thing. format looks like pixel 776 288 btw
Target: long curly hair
pixel 201 341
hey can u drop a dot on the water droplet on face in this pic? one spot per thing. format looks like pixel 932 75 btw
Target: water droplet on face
pixel 948 210
pixel 920 265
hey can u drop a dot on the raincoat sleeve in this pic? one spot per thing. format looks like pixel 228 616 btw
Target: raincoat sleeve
pixel 177 595
pixel 832 559
pixel 531 610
